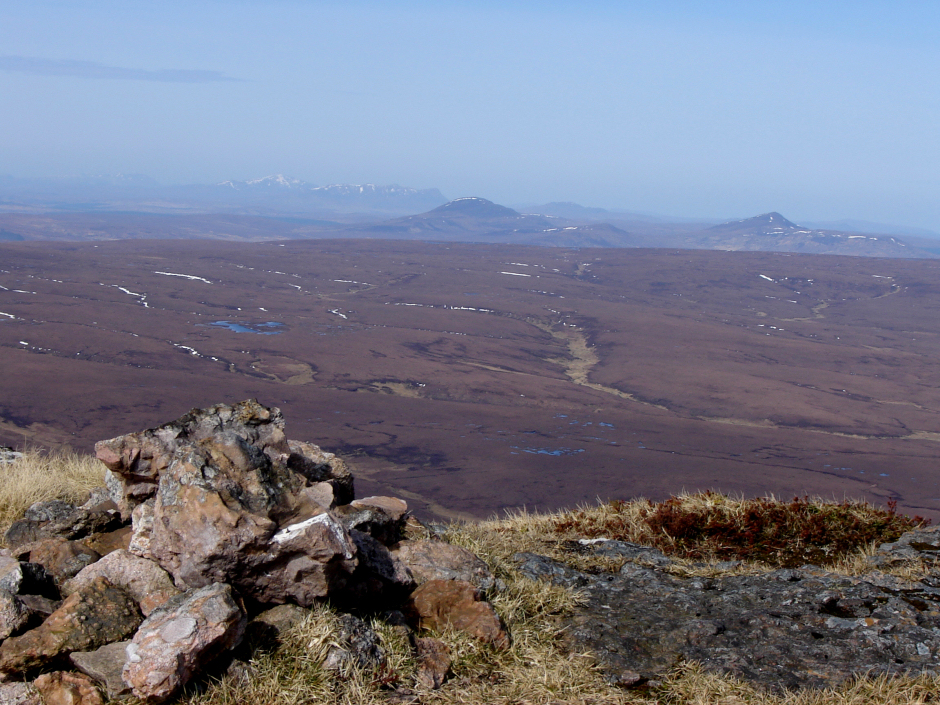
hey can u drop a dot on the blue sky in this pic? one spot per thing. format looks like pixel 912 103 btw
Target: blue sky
pixel 820 110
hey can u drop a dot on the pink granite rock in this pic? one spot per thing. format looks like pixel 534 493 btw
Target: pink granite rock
pixel 179 639
pixel 63 688
pixel 436 560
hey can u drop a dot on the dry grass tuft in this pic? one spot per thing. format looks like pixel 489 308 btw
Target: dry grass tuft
pixel 41 476
pixel 691 685
pixel 712 526
pixel 293 674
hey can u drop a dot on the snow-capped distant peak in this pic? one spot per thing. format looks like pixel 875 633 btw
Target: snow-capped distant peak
pixel 276 180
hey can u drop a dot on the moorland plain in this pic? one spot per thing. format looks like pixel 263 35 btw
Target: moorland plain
pixel 475 378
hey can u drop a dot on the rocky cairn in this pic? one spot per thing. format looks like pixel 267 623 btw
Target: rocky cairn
pixel 207 524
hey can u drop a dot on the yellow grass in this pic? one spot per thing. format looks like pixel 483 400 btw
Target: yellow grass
pixel 39 476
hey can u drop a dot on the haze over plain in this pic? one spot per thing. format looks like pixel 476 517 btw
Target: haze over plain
pixel 716 110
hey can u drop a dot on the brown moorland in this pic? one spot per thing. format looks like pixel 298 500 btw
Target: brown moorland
pixel 470 379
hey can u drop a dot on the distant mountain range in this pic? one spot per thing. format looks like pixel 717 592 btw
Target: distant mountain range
pixel 340 197
pixel 279 207
pixel 271 195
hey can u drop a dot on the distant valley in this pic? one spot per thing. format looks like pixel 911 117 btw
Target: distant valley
pixel 473 378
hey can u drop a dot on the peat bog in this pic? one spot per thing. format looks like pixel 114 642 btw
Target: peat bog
pixel 470 379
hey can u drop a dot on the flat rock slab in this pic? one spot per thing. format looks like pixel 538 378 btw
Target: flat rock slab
pixel 61 558
pixel 104 665
pixel 780 630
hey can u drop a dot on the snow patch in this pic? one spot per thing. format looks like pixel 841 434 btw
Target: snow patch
pixel 184 276
pixel 191 351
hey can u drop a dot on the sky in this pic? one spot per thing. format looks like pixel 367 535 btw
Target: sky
pixel 820 110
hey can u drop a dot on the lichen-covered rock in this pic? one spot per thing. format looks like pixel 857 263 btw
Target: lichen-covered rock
pixel 95 615
pixel 19 694
pixel 138 459
pixel 921 545
pixel 141 529
pixel 780 630
pixel 372 521
pixel 395 508
pixel 457 603
pixel 179 639
pixel 14 615
pixel 214 521
pixel 142 579
pixel 227 508
pixel 64 688
pixel 436 560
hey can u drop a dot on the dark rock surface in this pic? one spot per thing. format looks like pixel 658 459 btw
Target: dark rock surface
pixel 57 518
pixel 778 630
pixel 356 645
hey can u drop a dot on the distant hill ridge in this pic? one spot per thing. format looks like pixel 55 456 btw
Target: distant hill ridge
pixel 767 222
pixel 772 232
pixel 474 219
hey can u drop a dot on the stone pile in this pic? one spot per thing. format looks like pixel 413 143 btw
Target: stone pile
pixel 206 522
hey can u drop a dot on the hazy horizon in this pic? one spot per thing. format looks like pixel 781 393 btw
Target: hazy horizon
pixel 685 109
